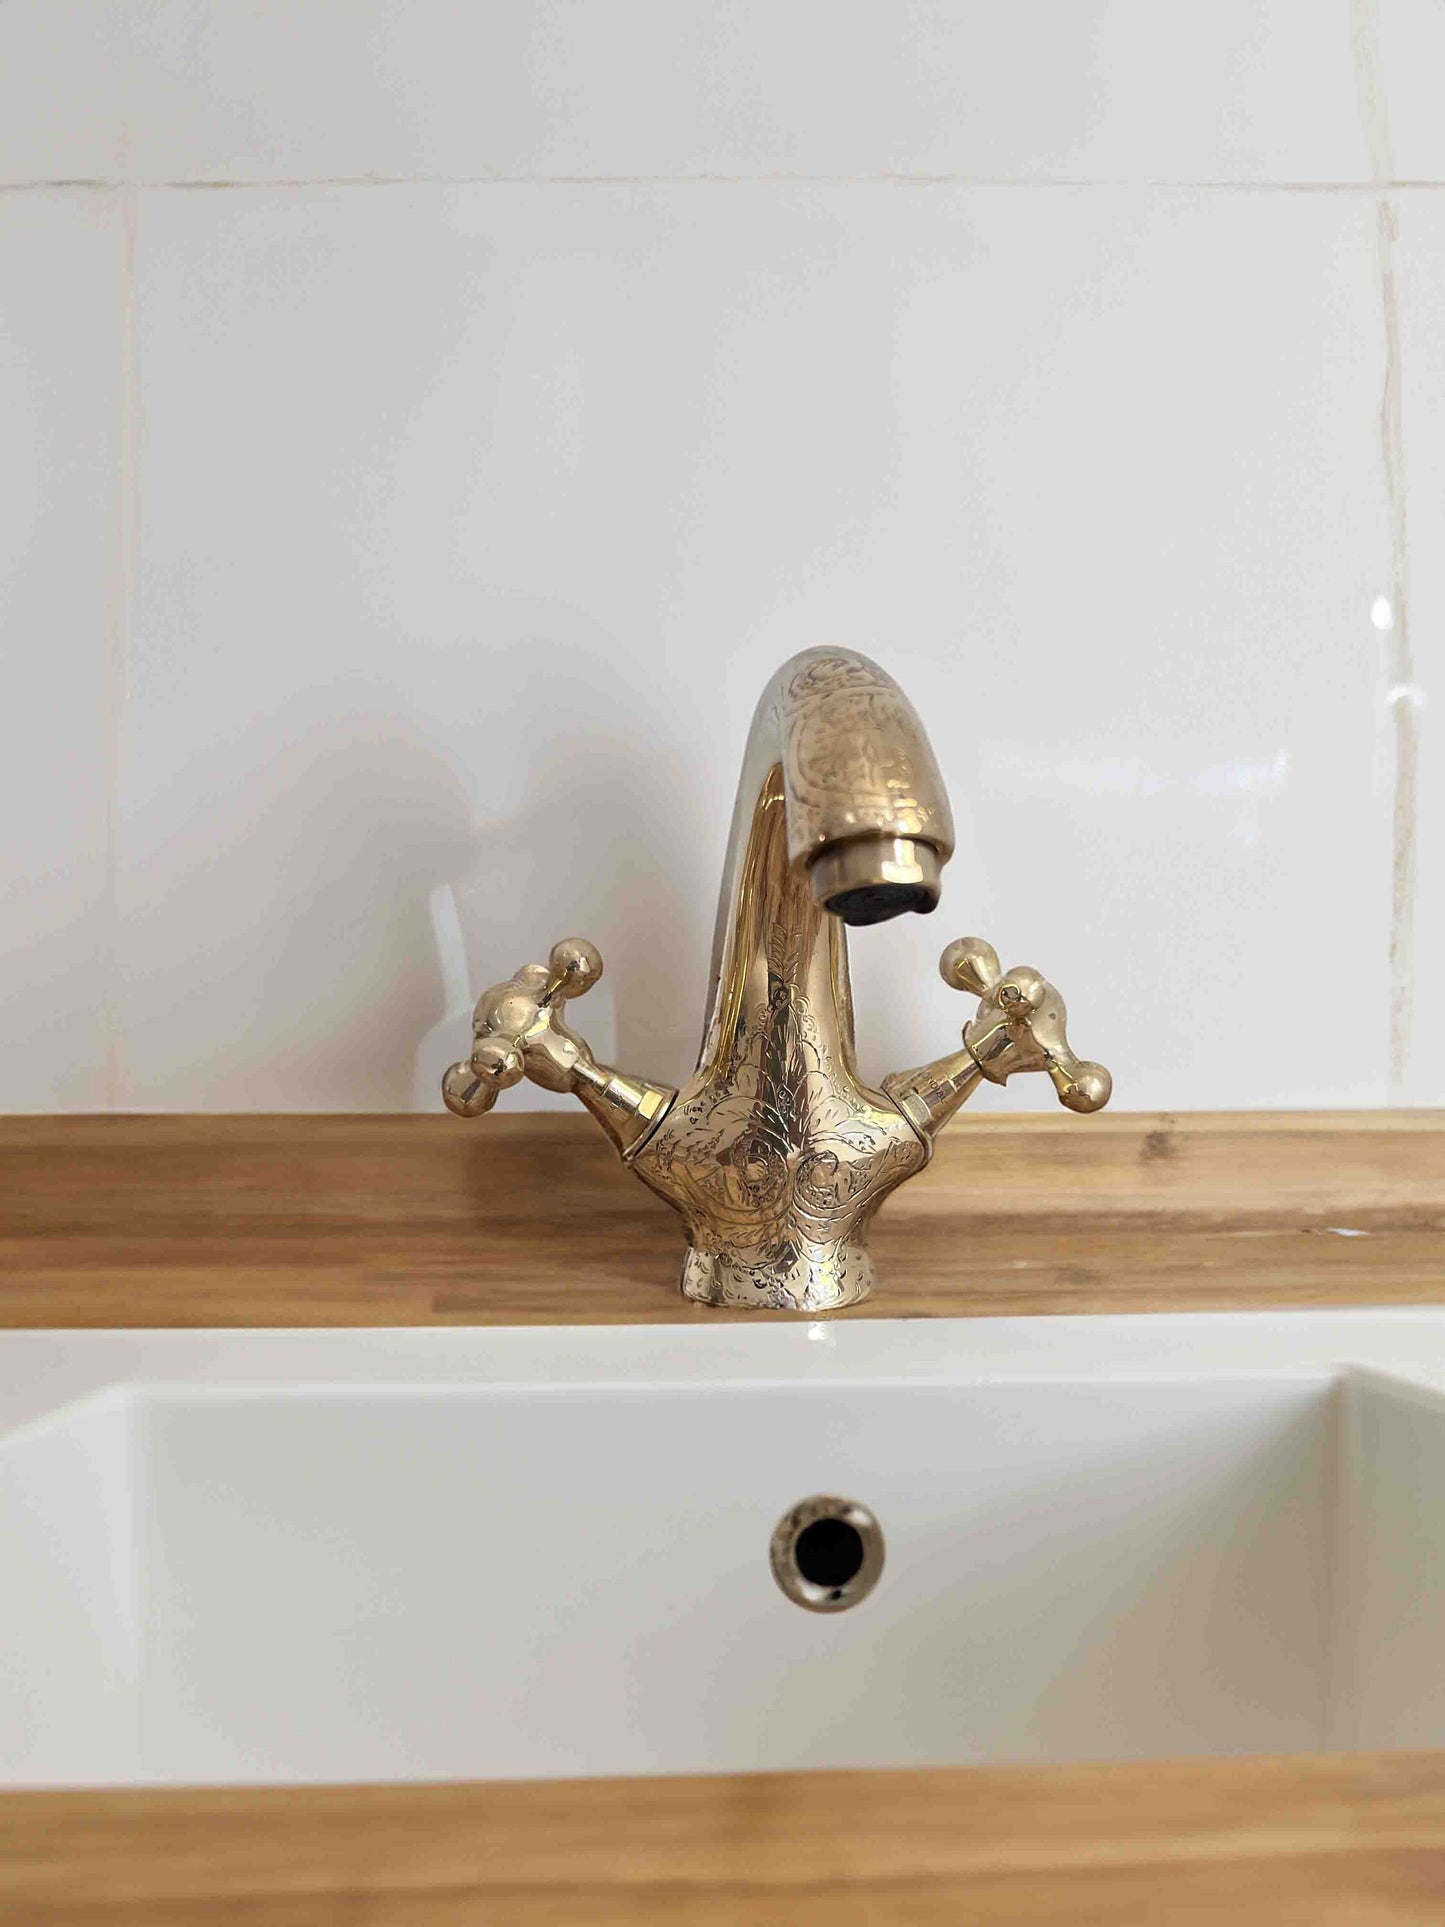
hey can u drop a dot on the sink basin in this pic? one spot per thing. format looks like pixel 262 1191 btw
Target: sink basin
pixel 386 1555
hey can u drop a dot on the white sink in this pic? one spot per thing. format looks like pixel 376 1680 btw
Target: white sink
pixel 284 1556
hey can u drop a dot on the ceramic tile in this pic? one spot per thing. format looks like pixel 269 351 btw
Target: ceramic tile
pixel 60 296
pixel 1410 35
pixel 476 518
pixel 64 67
pixel 1122 91
pixel 1422 356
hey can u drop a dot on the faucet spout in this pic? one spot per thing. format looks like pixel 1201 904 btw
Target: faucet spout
pixel 839 749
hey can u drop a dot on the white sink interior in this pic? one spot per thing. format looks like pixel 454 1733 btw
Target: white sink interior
pixel 381 1555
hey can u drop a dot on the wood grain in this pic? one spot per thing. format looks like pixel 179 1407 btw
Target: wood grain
pixel 346 1220
pixel 1320 1840
pixel 415 1220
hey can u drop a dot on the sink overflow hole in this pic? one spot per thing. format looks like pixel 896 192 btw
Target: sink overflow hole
pixel 827 1553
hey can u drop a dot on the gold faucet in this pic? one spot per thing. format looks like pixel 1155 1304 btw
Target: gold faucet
pixel 774 1154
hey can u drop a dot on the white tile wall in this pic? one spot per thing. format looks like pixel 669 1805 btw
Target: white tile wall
pixel 64 91
pixel 1412 39
pixel 319 89
pixel 62 340
pixel 403 532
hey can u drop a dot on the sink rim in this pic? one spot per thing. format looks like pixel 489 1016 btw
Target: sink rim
pixel 42 1371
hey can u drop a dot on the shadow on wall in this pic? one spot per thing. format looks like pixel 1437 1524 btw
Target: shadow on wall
pixel 277 951
pixel 606 841
pixel 315 938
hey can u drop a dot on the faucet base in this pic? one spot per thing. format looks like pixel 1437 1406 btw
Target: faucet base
pixel 823 1278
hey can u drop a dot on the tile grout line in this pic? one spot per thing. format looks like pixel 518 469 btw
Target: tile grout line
pixel 1402 697
pixel 1381 184
pixel 121 593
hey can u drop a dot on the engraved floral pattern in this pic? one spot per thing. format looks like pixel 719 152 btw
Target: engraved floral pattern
pixel 857 752
pixel 774 1154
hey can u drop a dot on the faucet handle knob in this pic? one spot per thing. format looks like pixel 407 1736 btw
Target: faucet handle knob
pixel 1020 1025
pixel 971 964
pixel 518 1032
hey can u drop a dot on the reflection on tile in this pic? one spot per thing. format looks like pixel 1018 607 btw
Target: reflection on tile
pixel 60 309
pixel 1422 356
pixel 475 519
pixel 1126 90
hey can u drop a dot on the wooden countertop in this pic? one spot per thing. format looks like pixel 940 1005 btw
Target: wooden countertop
pixel 1323 1841
pixel 528 1218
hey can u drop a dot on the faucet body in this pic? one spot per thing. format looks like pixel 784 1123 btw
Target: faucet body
pixel 774 1153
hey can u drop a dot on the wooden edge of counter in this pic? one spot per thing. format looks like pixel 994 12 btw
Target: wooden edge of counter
pixel 1315 1839
pixel 530 1218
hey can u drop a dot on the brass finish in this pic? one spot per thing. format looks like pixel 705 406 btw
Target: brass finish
pixel 774 1153
pixel 1019 1027
pixel 870 865
pixel 518 1032
pixel 837 1594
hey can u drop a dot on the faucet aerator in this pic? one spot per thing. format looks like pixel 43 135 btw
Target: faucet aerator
pixel 879 902
pixel 869 879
